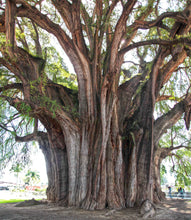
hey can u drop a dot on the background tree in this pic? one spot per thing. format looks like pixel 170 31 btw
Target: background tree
pixel 12 124
pixel 17 168
pixel 176 144
pixel 101 137
pixel 32 177
pixel 174 148
pixel 182 168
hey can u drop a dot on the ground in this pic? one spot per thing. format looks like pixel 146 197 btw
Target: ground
pixel 171 209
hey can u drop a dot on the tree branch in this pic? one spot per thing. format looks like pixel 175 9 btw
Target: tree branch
pixel 184 41
pixel 119 31
pixel 88 22
pixel 23 41
pixel 12 86
pixel 187 109
pixel 140 24
pixel 44 22
pixel 132 30
pixel 179 147
pixel 166 97
pixel 106 23
pixel 169 119
pixel 64 8
pixel 76 31
pixel 71 16
pixel 5 128
pixel 37 41
pixel 78 58
pixel 31 137
pixel 10 67
pixel 27 138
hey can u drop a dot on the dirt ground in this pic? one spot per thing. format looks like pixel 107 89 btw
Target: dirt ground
pixel 175 209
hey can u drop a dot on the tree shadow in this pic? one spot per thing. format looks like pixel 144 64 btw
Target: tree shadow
pixel 178 205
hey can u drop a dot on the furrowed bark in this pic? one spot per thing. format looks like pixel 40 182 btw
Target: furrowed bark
pixel 10 13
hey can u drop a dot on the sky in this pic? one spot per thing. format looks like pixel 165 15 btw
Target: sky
pixel 39 165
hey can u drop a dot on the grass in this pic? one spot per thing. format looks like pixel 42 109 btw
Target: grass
pixel 14 200
pixel 11 200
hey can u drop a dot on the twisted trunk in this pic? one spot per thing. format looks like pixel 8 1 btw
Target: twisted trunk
pixel 104 155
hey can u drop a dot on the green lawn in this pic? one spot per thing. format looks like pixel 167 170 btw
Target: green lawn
pixel 14 200
pixel 11 200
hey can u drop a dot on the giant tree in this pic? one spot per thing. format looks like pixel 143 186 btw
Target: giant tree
pixel 101 137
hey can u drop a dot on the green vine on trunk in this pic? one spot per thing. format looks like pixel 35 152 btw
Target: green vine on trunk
pixel 39 83
pixel 24 108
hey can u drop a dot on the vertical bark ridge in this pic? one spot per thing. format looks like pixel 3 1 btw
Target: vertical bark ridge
pixel 132 181
pixel 10 25
pixel 83 165
pixel 73 152
pixel 115 192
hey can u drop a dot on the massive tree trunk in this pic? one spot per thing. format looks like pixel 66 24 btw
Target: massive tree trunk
pixel 104 155
pixel 87 178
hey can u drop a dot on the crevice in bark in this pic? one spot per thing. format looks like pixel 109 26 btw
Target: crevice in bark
pixel 131 169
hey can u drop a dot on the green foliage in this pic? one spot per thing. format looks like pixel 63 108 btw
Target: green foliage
pixel 163 171
pixel 47 103
pixel 17 154
pixel 169 22
pixel 175 136
pixel 17 168
pixel 52 105
pixel 182 167
pixel 72 111
pixel 174 90
pixel 57 70
pixel 11 125
pixel 37 84
pixel 41 190
pixel 24 108
pixel 2 39
pixel 179 159
pixel 26 35
pixel 32 177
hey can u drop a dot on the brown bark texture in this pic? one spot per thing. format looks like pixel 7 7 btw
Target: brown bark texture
pixel 107 154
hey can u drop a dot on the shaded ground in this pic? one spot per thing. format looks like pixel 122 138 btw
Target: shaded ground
pixel 175 209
